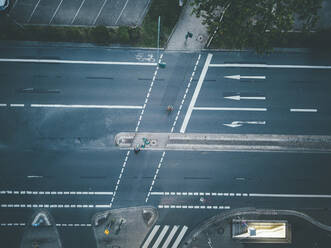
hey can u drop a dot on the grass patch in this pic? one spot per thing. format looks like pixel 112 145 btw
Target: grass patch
pixel 145 35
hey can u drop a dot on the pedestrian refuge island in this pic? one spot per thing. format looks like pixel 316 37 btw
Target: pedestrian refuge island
pixel 261 231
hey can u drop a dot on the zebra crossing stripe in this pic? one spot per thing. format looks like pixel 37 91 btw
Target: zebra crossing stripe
pixel 151 236
pixel 180 236
pixel 169 238
pixel 159 239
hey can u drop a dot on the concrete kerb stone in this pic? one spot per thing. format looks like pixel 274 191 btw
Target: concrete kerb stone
pixel 248 211
pixel 227 142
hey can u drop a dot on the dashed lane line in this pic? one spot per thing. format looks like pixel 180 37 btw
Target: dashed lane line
pixel 16 105
pixel 208 207
pixel 196 93
pixel 87 62
pixel 84 106
pixel 304 110
pixel 226 194
pixel 53 206
pixel 172 128
pixel 58 225
pixel 136 129
pixel 29 192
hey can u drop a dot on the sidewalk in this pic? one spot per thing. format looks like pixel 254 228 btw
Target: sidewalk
pixel 188 23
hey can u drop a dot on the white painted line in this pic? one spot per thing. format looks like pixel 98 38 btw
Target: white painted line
pixel 103 193
pixel 304 110
pixel 16 105
pixel 238 97
pixel 271 66
pixel 289 195
pixel 57 9
pixel 229 109
pixel 121 12
pixel 3 105
pixel 34 9
pixel 96 18
pixel 238 77
pixel 86 62
pixel 170 236
pixel 179 237
pixel 161 236
pixel 151 236
pixel 84 106
pixel 77 11
pixel 102 206
pixel 196 93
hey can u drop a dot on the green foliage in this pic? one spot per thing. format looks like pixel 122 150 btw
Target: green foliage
pixel 123 34
pixel 255 23
pixel 100 34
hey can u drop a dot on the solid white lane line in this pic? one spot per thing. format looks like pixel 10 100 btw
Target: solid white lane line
pixel 3 105
pixel 289 195
pixel 229 109
pixel 121 12
pixel 304 110
pixel 103 193
pixel 196 93
pixel 84 106
pixel 179 237
pixel 161 236
pixel 34 9
pixel 170 236
pixel 87 62
pixel 16 105
pixel 73 19
pixel 151 236
pixel 102 206
pixel 96 18
pixel 57 9
pixel 26 192
pixel 272 66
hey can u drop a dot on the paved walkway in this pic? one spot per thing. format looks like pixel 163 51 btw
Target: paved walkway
pixel 188 23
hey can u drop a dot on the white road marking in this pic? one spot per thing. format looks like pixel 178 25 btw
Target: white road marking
pixel 121 12
pixel 289 195
pixel 304 110
pixel 196 93
pixel 229 109
pixel 77 12
pixel 136 130
pixel 73 225
pixel 13 5
pixel 170 236
pixel 26 192
pixel 48 206
pixel 34 9
pixel 102 206
pixel 96 18
pixel 238 97
pixel 34 176
pixel 238 77
pixel 193 207
pixel 12 224
pixel 87 62
pixel 179 237
pixel 240 123
pixel 161 236
pixel 3 105
pixel 57 9
pixel 16 105
pixel 272 66
pixel 85 106
pixel 151 236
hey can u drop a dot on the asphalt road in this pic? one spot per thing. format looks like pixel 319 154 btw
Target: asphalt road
pixel 58 122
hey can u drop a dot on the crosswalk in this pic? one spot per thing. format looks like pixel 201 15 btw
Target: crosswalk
pixel 165 236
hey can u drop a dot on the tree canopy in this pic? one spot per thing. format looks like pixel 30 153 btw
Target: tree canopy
pixel 255 23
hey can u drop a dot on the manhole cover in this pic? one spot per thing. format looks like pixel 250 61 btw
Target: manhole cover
pixel 153 142
pixel 200 38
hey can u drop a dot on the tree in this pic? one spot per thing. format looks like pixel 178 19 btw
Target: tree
pixel 255 23
pixel 100 34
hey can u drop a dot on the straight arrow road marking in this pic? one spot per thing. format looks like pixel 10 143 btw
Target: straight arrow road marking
pixel 240 123
pixel 238 77
pixel 229 109
pixel 238 97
